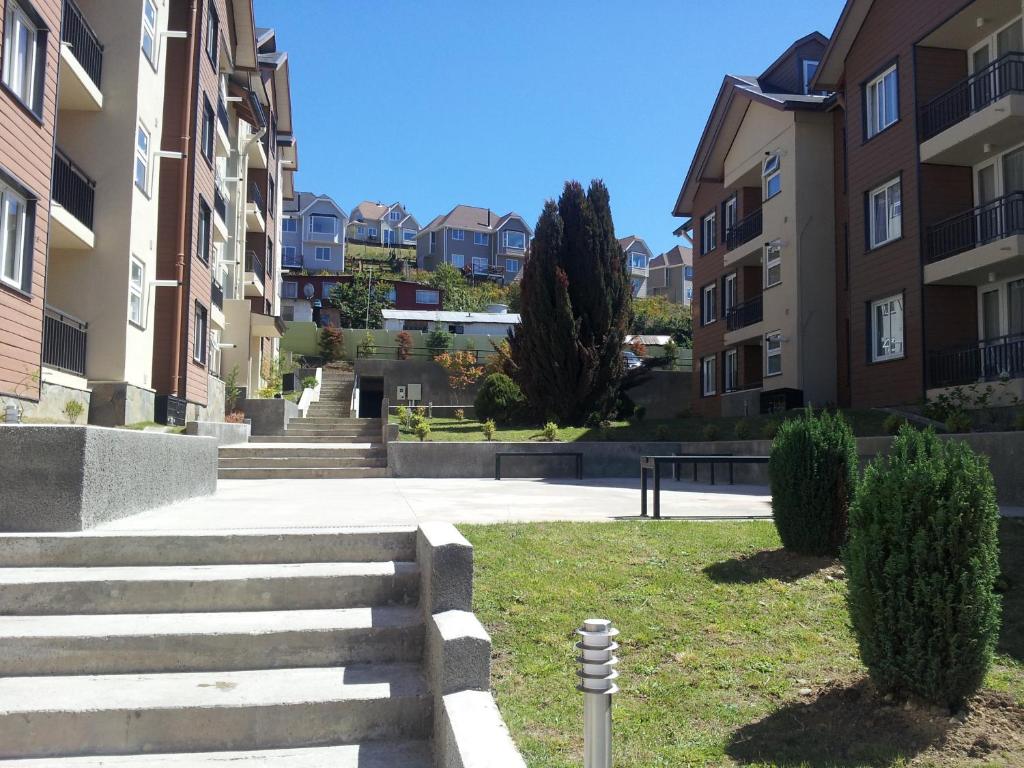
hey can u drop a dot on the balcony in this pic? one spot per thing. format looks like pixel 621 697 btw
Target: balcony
pixel 983 110
pixel 257 156
pixel 81 57
pixel 64 340
pixel 745 314
pixel 255 275
pixel 220 218
pixel 292 261
pixel 217 295
pixel 71 206
pixel 740 238
pixel 254 206
pixel 222 130
pixel 988 360
pixel 962 250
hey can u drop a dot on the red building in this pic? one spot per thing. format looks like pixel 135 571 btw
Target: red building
pixel 305 297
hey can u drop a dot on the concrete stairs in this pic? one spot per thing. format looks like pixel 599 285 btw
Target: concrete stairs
pixel 276 648
pixel 325 444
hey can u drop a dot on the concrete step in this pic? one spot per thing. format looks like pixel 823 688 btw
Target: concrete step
pixel 299 473
pixel 313 439
pixel 312 452
pixel 373 754
pixel 348 432
pixel 205 588
pixel 302 462
pixel 341 545
pixel 189 642
pixel 205 711
pixel 335 421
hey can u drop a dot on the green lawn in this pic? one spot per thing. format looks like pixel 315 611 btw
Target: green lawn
pixel 720 632
pixel 688 429
pixel 376 252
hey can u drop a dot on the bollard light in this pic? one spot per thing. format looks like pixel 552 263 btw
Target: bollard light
pixel 597 675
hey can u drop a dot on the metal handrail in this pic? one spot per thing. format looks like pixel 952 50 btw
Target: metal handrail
pixel 64 341
pixel 1004 75
pixel 987 360
pixel 83 42
pixel 254 264
pixel 72 189
pixel 986 223
pixel 746 313
pixel 744 230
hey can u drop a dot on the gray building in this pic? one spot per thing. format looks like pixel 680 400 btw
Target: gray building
pixel 638 261
pixel 671 275
pixel 477 240
pixel 312 233
pixel 382 224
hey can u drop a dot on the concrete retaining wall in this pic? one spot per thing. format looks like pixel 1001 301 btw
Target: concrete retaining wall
pixel 269 417
pixel 118 402
pixel 431 376
pixel 663 394
pixel 70 478
pixel 221 431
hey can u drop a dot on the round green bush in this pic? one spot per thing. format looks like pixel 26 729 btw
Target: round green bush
pixel 711 432
pixel 812 473
pixel 743 430
pixel 893 423
pixel 500 399
pixel 923 562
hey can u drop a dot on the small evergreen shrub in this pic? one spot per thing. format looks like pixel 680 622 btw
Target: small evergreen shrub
pixel 422 429
pixel 439 342
pixel 488 428
pixel 958 421
pixel 403 415
pixel 711 432
pixel 332 344
pixel 743 430
pixel 460 414
pixel 893 423
pixel 923 562
pixel 550 431
pixel 72 410
pixel 812 473
pixel 500 399
pixel 309 382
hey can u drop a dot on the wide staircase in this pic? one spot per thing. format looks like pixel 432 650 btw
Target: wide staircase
pixel 280 648
pixel 326 444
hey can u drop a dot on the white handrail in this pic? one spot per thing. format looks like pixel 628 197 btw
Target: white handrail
pixel 311 395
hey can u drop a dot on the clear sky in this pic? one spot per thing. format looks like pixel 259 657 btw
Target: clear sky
pixel 439 102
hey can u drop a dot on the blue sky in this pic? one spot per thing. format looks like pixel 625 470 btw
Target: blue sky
pixel 496 104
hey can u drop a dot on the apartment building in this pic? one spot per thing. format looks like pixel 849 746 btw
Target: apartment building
pixel 312 233
pixel 670 276
pixel 305 298
pixel 763 235
pixel 929 122
pixel 638 260
pixel 477 241
pixel 381 224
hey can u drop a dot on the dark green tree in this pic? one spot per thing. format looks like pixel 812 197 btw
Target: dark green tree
pixel 351 301
pixel 575 308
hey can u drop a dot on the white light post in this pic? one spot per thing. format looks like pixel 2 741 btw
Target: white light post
pixel 597 683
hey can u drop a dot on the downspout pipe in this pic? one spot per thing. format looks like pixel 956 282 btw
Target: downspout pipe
pixel 186 173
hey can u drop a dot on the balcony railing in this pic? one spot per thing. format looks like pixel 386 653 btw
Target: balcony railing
pixel 219 205
pixel 988 360
pixel 254 264
pixel 743 231
pixel 72 189
pixel 747 313
pixel 1004 75
pixel 217 295
pixel 291 260
pixel 222 114
pixel 64 342
pixel 85 46
pixel 986 223
pixel 256 197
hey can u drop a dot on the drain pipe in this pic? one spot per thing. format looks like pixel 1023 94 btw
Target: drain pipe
pixel 597 683
pixel 185 173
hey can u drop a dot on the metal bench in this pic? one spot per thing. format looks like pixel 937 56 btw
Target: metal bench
pixel 655 463
pixel 576 454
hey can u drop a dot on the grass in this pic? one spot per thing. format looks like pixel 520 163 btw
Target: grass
pixel 720 631
pixel 376 252
pixel 141 425
pixel 689 429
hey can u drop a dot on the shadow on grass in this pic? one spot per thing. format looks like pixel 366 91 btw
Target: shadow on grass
pixel 1011 546
pixel 767 564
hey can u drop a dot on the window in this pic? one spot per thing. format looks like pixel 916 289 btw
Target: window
pixel 731 363
pixel 409 235
pixel 289 225
pixel 809 68
pixel 200 342
pixel 729 293
pixel 454 328
pixel 772 264
pixel 708 309
pixel 149 30
pixel 708 376
pixel 360 231
pixel 481 238
pixel 885 214
pixel 212 32
pixel 371 232
pixel 887 328
pixel 289 289
pixel 636 283
pixel 458 234
pixel 395 215
pixel 392 294
pixel 142 158
pixel 708 233
pixel 688 272
pixel 215 352
pixel 324 225
pixel 136 284
pixel 511 266
pixel 24 51
pixel 882 102
pixel 637 260
pixel 325 290
pixel 458 260
pixel 433 241
pixel 428 297
pixel 388 237
pixel 728 216
pixel 771 174
pixel 479 265
pixel 206 136
pixel 514 240
pixel 322 254
pixel 415 325
pixel 773 353
pixel 14 236
pixel 204 231
pixel 288 255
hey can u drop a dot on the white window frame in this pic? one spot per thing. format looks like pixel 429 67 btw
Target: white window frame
pixel 521 236
pixel 15 264
pixel 14 77
pixel 481 238
pixel 199 350
pixel 313 217
pixel 289 224
pixel 408 234
pixel 461 263
pixel 731 369
pixel 143 156
pixel 371 232
pixel 319 250
pixel 458 234
pixel 771 171
pixel 480 265
pixel 730 211
pixel 772 260
pixel 709 385
pixel 149 30
pixel 360 231
pixel 289 289
pixel 875 101
pixel 512 265
pixel 708 233
pixel 633 255
pixel 215 353
pixel 804 63
pixel 137 292
pixel 706 317
pixel 892 353
pixel 772 351
pixel 728 293
pixel 395 215
pixel 894 213
pixel 427 296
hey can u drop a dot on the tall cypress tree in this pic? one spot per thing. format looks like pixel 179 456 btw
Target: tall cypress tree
pixel 575 309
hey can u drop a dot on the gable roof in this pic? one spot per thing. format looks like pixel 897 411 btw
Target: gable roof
pixel 627 242
pixel 306 200
pixel 833 61
pixel 371 211
pixel 775 66
pixel 674 257
pixel 473 219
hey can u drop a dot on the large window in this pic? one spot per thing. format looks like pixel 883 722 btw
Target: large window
pixel 511 266
pixel 288 254
pixel 708 308
pixel 882 102
pixel 322 254
pixel 428 297
pixel 14 237
pixel 24 52
pixel 773 353
pixel 772 264
pixel 289 289
pixel 708 233
pixel 458 234
pixel 638 260
pixel 887 328
pixel 371 232
pixel 885 212
pixel 204 231
pixel 409 235
pixel 200 342
pixel 458 260
pixel 206 137
pixel 136 288
pixel 289 224
pixel 771 173
pixel 479 265
pixel 324 225
pixel 395 215
pixel 215 353
pixel 212 32
pixel 142 158
pixel 514 240
pixel 708 376
pixel 149 12
pixel 481 238
pixel 731 365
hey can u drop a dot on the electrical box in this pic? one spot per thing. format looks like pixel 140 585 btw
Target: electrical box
pixel 416 392
pixel 401 392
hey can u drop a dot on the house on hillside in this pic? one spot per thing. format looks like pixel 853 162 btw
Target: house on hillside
pixel 670 275
pixel 494 323
pixel 638 260
pixel 311 233
pixel 380 224
pixel 477 241
pixel 305 298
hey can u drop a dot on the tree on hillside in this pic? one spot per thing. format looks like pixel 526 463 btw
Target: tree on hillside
pixel 575 309
pixel 350 299
pixel 657 315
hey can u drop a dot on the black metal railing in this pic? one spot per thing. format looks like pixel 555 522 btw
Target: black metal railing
pixel 220 205
pixel 988 360
pixel 64 339
pixel 254 264
pixel 1004 75
pixel 85 46
pixel 217 295
pixel 72 189
pixel 222 114
pixel 747 313
pixel 992 221
pixel 256 197
pixel 744 230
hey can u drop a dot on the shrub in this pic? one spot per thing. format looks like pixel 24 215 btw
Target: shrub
pixel 770 429
pixel 550 431
pixel 711 432
pixel 893 423
pixel 422 429
pixel 922 562
pixel 743 430
pixel 368 346
pixel 332 344
pixel 500 399
pixel 309 382
pixel 671 353
pixel 235 417
pixel 958 421
pixel 72 410
pixel 403 415
pixel 638 348
pixel 462 367
pixel 421 411
pixel 404 342
pixel 438 342
pixel 460 414
pixel 812 473
pixel 488 428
